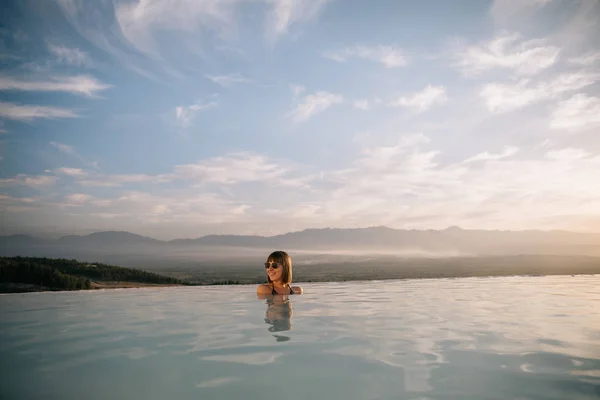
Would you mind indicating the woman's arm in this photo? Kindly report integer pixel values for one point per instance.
(263, 289)
(297, 289)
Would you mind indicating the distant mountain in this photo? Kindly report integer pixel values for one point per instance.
(107, 239)
(451, 241)
(85, 247)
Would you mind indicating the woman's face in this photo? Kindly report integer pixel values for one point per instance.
(274, 271)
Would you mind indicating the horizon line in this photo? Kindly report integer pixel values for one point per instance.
(452, 227)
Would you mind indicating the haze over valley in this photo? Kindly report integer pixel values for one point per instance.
(328, 254)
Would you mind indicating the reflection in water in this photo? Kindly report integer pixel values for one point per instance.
(279, 314)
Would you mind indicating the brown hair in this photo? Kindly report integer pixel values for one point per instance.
(285, 260)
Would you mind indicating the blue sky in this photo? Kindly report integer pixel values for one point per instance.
(179, 118)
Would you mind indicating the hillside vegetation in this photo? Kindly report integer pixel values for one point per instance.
(29, 274)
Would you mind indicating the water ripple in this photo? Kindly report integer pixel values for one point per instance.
(497, 338)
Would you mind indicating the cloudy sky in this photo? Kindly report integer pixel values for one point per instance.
(179, 118)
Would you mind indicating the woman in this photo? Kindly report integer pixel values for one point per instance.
(279, 275)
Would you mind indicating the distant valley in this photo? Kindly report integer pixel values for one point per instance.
(320, 252)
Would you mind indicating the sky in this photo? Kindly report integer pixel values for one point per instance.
(181, 118)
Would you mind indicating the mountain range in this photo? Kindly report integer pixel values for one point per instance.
(373, 240)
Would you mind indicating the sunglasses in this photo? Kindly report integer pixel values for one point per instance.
(273, 265)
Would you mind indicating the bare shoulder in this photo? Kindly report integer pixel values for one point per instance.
(265, 288)
(297, 289)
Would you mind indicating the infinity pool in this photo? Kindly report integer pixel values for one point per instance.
(473, 338)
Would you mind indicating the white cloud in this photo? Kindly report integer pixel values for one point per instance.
(182, 209)
(184, 115)
(567, 154)
(423, 100)
(504, 98)
(507, 51)
(118, 180)
(77, 199)
(366, 104)
(12, 200)
(486, 156)
(141, 21)
(406, 185)
(587, 59)
(70, 56)
(501, 98)
(569, 82)
(29, 180)
(231, 169)
(70, 150)
(28, 112)
(90, 19)
(314, 104)
(380, 157)
(80, 85)
(286, 13)
(102, 202)
(217, 382)
(41, 180)
(229, 80)
(389, 56)
(577, 113)
(65, 148)
(72, 172)
(362, 104)
(89, 178)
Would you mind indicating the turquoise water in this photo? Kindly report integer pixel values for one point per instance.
(473, 338)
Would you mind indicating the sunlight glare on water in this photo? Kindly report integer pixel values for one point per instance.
(472, 338)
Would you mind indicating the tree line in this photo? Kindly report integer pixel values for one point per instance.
(71, 274)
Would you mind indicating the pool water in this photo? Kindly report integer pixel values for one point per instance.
(472, 338)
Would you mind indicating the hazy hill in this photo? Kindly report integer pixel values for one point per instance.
(451, 240)
(106, 239)
(376, 240)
